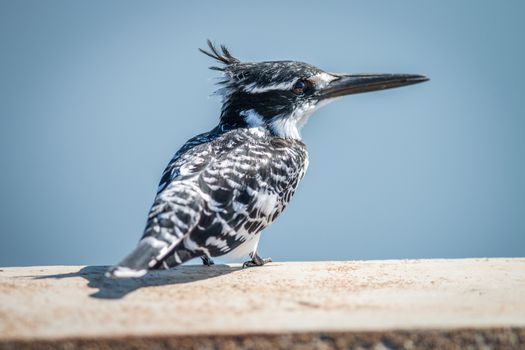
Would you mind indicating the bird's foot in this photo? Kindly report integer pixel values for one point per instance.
(256, 261)
(206, 260)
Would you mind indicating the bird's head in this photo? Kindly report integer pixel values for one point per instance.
(281, 95)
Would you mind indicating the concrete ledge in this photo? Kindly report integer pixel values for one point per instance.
(297, 305)
(499, 338)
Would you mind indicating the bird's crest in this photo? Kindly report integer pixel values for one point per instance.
(221, 54)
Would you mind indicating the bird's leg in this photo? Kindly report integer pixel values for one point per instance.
(206, 260)
(256, 261)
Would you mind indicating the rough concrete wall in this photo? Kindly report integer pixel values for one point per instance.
(325, 305)
(498, 338)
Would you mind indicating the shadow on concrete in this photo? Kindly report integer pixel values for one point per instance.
(112, 288)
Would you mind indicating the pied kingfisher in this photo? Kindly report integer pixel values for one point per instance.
(223, 187)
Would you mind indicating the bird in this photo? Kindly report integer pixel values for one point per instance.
(225, 186)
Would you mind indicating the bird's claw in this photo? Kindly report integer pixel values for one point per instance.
(256, 261)
(207, 261)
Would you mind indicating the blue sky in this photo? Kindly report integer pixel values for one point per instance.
(96, 97)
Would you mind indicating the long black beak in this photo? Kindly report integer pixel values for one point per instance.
(358, 83)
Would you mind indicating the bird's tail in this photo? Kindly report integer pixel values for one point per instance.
(144, 257)
(171, 217)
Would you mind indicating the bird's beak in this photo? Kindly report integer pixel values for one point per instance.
(357, 83)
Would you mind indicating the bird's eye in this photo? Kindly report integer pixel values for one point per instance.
(299, 87)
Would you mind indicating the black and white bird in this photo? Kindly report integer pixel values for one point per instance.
(223, 187)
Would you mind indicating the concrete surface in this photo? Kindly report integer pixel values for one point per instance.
(375, 304)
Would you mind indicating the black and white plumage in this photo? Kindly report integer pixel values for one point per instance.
(223, 187)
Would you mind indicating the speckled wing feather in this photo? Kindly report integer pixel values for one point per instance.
(246, 189)
(218, 192)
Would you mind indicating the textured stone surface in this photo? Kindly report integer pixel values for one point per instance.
(325, 305)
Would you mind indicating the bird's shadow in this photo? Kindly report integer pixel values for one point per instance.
(114, 288)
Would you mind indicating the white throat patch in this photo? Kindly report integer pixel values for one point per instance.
(290, 126)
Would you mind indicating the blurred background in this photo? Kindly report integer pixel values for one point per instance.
(96, 97)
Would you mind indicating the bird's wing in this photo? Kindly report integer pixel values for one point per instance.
(226, 184)
(247, 188)
(186, 155)
(178, 205)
